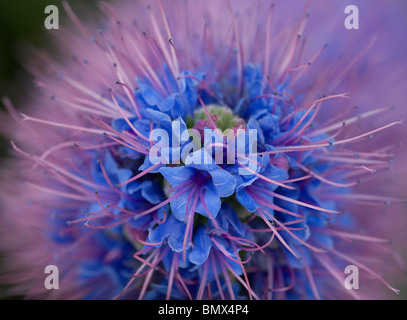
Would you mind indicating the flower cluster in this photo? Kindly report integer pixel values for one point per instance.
(124, 215)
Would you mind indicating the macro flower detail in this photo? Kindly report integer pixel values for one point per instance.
(191, 151)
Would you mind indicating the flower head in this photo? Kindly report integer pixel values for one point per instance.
(190, 151)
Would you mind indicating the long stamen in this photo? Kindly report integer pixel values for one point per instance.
(67, 195)
(203, 282)
(245, 285)
(61, 125)
(265, 178)
(172, 274)
(317, 176)
(215, 272)
(260, 211)
(297, 238)
(146, 262)
(208, 114)
(244, 272)
(362, 266)
(269, 204)
(227, 279)
(189, 216)
(168, 30)
(350, 236)
(239, 56)
(140, 175)
(138, 133)
(322, 145)
(335, 272)
(304, 204)
(290, 285)
(266, 69)
(202, 199)
(311, 279)
(60, 170)
(227, 254)
(133, 101)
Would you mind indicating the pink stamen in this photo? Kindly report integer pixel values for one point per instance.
(226, 277)
(239, 56)
(290, 285)
(332, 183)
(172, 273)
(140, 174)
(208, 114)
(61, 125)
(297, 238)
(189, 216)
(304, 204)
(133, 101)
(322, 145)
(202, 199)
(215, 272)
(261, 213)
(362, 266)
(138, 133)
(336, 273)
(245, 285)
(267, 42)
(203, 282)
(265, 178)
(268, 204)
(350, 236)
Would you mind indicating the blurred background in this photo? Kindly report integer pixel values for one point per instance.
(22, 21)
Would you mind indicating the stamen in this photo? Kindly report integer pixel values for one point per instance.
(322, 145)
(336, 273)
(138, 133)
(304, 204)
(171, 277)
(61, 125)
(362, 266)
(260, 211)
(132, 99)
(265, 178)
(203, 282)
(140, 174)
(215, 272)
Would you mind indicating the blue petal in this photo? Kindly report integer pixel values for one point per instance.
(254, 125)
(201, 160)
(202, 247)
(172, 230)
(179, 206)
(149, 190)
(246, 201)
(274, 173)
(162, 119)
(177, 176)
(223, 182)
(167, 104)
(233, 219)
(212, 201)
(150, 96)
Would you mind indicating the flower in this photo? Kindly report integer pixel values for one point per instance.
(178, 153)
